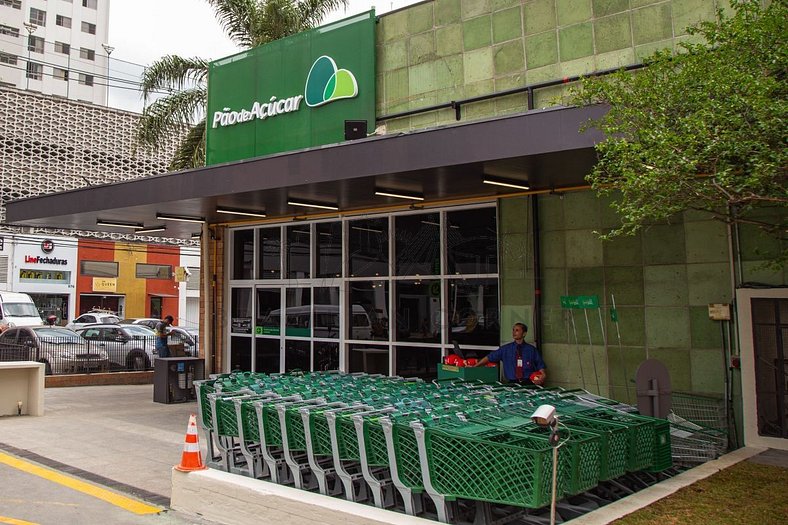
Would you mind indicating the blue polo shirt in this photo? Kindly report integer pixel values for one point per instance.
(507, 355)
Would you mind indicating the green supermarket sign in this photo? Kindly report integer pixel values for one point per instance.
(579, 301)
(293, 93)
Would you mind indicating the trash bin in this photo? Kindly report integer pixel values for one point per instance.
(173, 378)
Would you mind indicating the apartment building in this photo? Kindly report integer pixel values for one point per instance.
(56, 47)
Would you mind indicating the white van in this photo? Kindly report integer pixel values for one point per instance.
(18, 309)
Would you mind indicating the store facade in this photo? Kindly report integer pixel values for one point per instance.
(462, 209)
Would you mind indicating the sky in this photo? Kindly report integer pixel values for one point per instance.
(142, 31)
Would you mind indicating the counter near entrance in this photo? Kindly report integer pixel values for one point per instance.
(21, 382)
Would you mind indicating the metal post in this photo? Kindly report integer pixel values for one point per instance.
(109, 49)
(31, 28)
(555, 483)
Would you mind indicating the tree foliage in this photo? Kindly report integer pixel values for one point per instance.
(181, 114)
(700, 129)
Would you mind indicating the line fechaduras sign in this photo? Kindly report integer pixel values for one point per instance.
(293, 93)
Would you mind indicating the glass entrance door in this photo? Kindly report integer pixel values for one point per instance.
(268, 329)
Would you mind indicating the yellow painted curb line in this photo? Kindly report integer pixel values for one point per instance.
(112, 498)
(12, 521)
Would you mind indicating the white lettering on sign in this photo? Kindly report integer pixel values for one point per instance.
(272, 108)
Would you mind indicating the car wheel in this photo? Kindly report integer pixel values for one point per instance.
(137, 360)
(47, 367)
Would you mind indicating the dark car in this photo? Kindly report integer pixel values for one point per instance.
(60, 349)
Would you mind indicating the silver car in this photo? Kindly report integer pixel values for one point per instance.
(60, 349)
(92, 318)
(130, 347)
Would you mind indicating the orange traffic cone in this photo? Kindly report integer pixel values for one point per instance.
(191, 458)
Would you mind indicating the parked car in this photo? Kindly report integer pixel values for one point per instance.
(93, 317)
(188, 337)
(150, 322)
(131, 347)
(60, 349)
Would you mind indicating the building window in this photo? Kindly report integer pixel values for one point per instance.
(269, 257)
(193, 279)
(388, 294)
(87, 27)
(38, 17)
(88, 54)
(90, 4)
(60, 74)
(62, 47)
(368, 247)
(7, 58)
(8, 31)
(34, 71)
(62, 21)
(154, 271)
(98, 268)
(35, 44)
(85, 80)
(16, 4)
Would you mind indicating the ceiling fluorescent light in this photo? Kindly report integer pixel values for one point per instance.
(312, 205)
(519, 185)
(387, 193)
(180, 218)
(235, 211)
(152, 229)
(116, 224)
(362, 229)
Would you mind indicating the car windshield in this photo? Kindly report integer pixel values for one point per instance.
(137, 329)
(57, 335)
(109, 319)
(20, 310)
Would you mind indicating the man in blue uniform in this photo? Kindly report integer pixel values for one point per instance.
(521, 361)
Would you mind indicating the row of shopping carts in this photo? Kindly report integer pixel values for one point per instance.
(391, 440)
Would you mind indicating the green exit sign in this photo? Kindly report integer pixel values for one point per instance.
(579, 301)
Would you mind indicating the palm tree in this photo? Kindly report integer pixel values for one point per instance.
(181, 114)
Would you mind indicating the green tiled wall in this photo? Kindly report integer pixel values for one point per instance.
(443, 50)
(662, 281)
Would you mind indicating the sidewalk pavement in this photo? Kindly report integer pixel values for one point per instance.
(113, 435)
(118, 437)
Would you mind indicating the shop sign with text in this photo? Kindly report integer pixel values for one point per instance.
(293, 93)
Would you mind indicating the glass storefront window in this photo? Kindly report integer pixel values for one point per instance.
(418, 311)
(266, 354)
(326, 312)
(473, 312)
(326, 356)
(270, 253)
(372, 359)
(268, 319)
(243, 254)
(240, 354)
(368, 312)
(417, 362)
(417, 244)
(329, 249)
(297, 355)
(472, 241)
(298, 240)
(368, 250)
(298, 321)
(241, 311)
